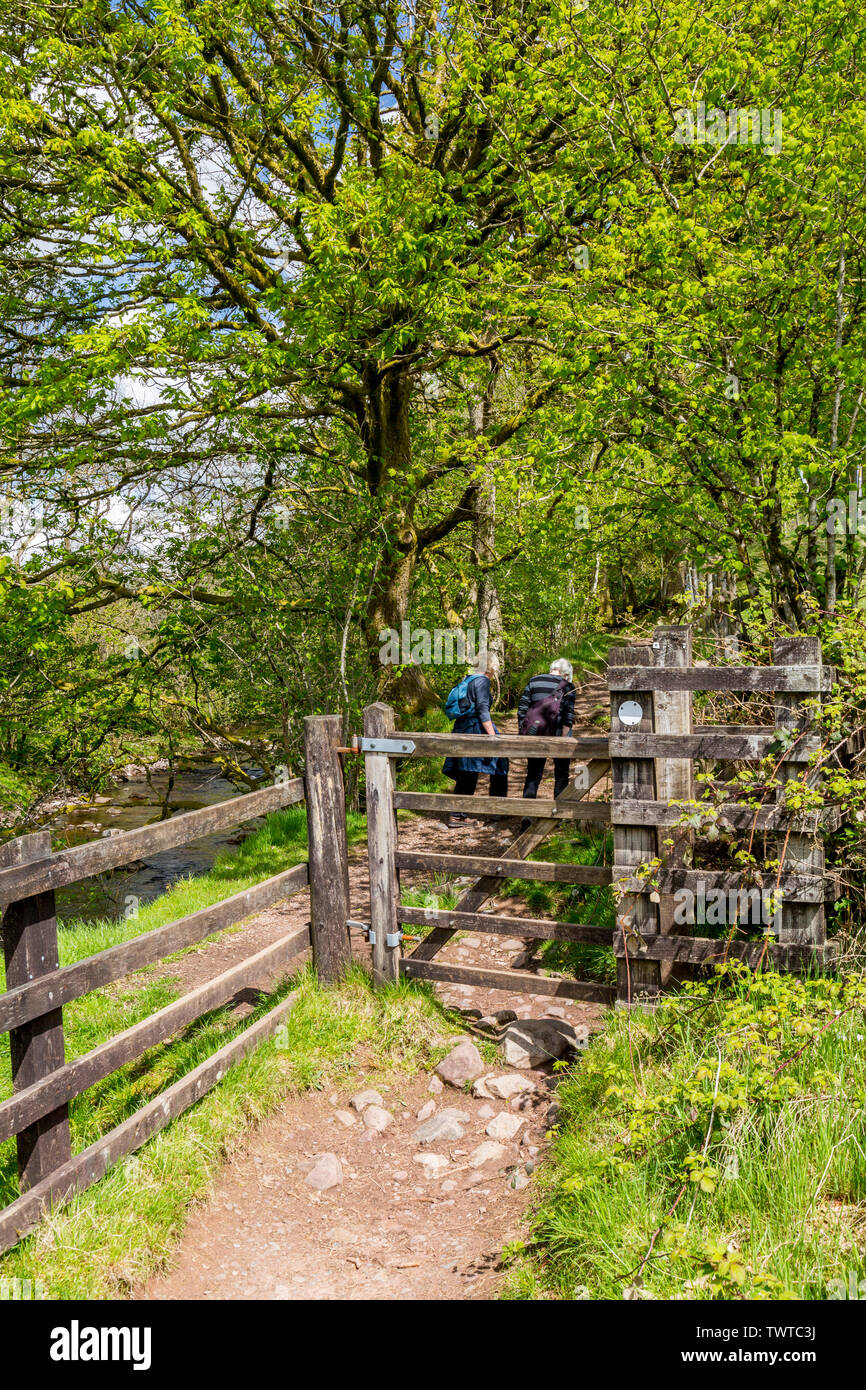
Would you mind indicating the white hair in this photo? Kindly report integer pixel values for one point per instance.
(486, 664)
(561, 667)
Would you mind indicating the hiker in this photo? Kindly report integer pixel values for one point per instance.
(468, 704)
(546, 708)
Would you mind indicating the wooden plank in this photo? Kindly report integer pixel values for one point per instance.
(29, 1001)
(436, 804)
(696, 950)
(68, 1081)
(672, 709)
(382, 846)
(806, 679)
(538, 928)
(112, 852)
(473, 897)
(795, 888)
(87, 1167)
(505, 745)
(718, 747)
(802, 921)
(513, 981)
(633, 778)
(503, 868)
(36, 1048)
(328, 847)
(734, 815)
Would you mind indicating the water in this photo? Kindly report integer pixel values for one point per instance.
(126, 807)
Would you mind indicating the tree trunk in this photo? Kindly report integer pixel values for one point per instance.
(387, 441)
(491, 637)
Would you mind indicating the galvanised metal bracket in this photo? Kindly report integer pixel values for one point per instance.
(392, 746)
(392, 938)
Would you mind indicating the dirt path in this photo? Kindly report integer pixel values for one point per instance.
(392, 1228)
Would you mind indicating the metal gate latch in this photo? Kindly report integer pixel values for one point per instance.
(384, 745)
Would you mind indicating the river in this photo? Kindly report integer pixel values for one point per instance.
(126, 807)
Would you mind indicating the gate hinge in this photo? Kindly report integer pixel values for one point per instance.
(392, 938)
(393, 746)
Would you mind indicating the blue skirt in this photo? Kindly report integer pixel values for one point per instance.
(493, 767)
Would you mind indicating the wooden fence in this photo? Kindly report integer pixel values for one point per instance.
(37, 986)
(650, 757)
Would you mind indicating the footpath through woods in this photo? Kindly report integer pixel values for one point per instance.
(408, 1193)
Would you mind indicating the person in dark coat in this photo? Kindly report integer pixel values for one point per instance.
(477, 720)
(537, 689)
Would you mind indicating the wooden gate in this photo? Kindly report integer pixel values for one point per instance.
(650, 758)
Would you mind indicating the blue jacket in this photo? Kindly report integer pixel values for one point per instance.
(471, 723)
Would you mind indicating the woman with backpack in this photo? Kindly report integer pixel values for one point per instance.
(468, 704)
(547, 708)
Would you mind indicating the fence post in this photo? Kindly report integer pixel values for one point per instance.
(633, 779)
(799, 923)
(30, 949)
(382, 847)
(672, 646)
(328, 847)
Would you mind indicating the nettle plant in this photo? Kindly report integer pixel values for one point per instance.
(830, 779)
(702, 1082)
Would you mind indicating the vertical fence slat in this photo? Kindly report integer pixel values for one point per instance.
(328, 847)
(634, 779)
(29, 931)
(800, 923)
(382, 846)
(672, 709)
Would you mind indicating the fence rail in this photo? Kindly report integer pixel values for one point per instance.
(650, 755)
(38, 987)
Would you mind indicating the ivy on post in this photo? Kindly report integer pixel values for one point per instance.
(328, 847)
(633, 779)
(799, 923)
(672, 709)
(36, 1048)
(382, 848)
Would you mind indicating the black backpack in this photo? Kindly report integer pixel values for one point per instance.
(543, 717)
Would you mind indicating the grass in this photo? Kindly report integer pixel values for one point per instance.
(565, 902)
(711, 1150)
(280, 843)
(118, 1233)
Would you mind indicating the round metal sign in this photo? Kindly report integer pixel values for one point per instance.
(630, 712)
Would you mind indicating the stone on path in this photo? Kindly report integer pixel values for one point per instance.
(377, 1118)
(485, 1153)
(436, 1086)
(505, 1126)
(360, 1101)
(506, 1087)
(433, 1164)
(427, 1109)
(498, 1019)
(327, 1171)
(449, 1125)
(485, 1111)
(534, 1041)
(518, 1180)
(345, 1117)
(463, 1063)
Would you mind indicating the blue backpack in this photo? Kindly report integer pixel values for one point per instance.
(456, 696)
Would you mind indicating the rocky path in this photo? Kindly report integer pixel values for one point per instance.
(410, 1192)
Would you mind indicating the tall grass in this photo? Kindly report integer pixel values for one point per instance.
(124, 1229)
(712, 1150)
